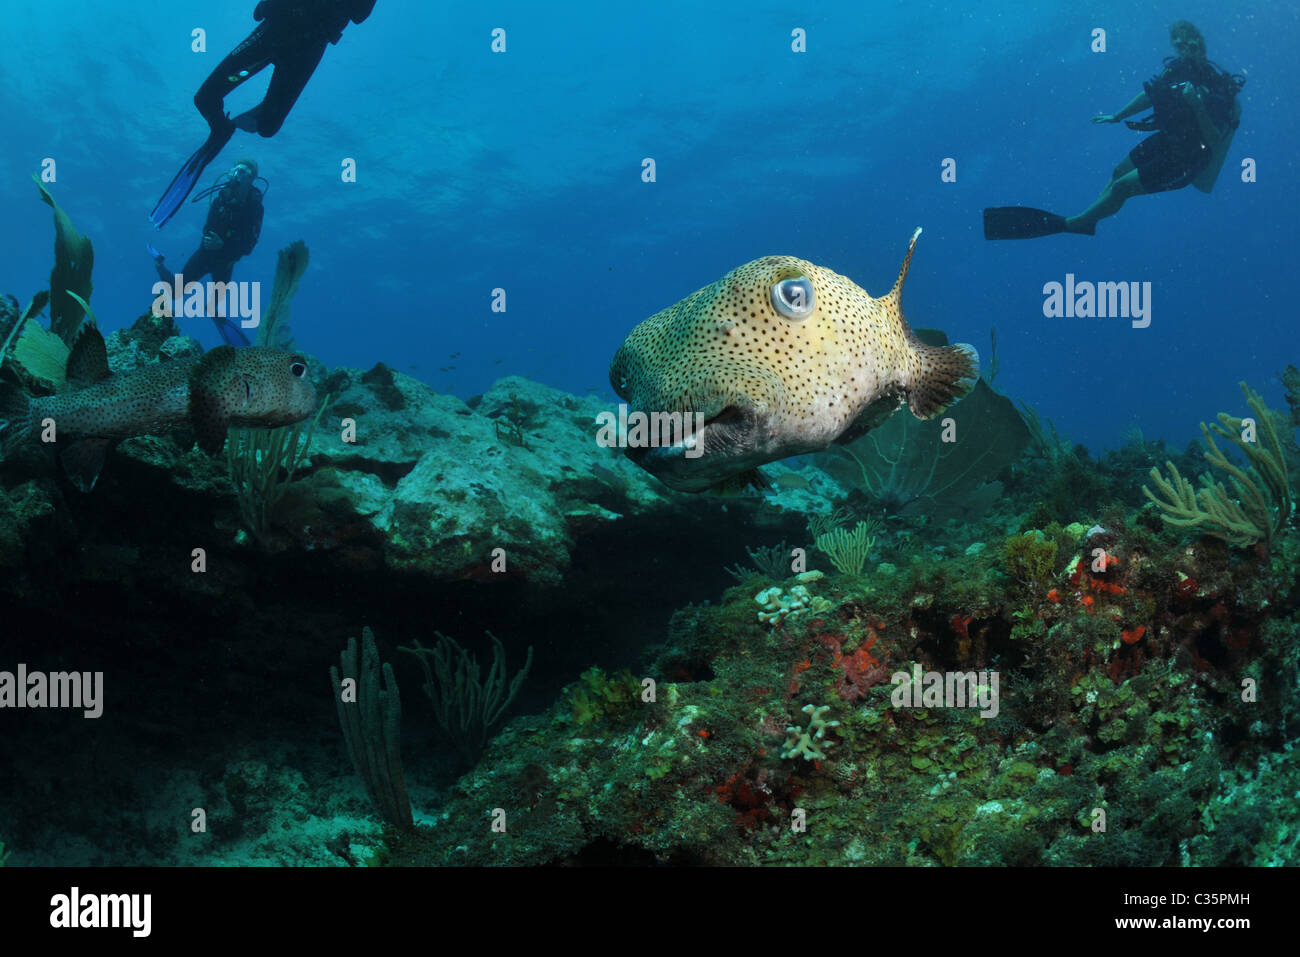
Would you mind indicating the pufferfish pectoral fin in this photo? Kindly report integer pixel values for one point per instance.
(210, 432)
(83, 460)
(753, 480)
(872, 416)
(208, 413)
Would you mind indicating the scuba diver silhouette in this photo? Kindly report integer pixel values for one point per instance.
(1196, 114)
(292, 36)
(230, 232)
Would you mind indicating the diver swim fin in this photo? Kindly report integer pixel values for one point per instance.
(1023, 222)
(230, 333)
(184, 181)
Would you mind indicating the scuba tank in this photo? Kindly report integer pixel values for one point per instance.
(224, 180)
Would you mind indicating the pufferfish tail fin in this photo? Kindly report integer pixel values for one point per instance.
(15, 419)
(940, 376)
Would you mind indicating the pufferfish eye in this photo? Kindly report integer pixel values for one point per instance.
(793, 298)
(297, 368)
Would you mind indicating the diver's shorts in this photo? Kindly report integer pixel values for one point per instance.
(1168, 162)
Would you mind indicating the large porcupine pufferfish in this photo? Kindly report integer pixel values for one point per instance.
(779, 357)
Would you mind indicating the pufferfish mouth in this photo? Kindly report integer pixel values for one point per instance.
(728, 433)
(731, 413)
(728, 430)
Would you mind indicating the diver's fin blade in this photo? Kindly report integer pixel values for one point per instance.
(1021, 222)
(230, 333)
(83, 460)
(184, 181)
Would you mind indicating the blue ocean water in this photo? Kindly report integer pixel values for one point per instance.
(521, 171)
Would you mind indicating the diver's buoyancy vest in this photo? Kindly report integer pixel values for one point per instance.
(1218, 89)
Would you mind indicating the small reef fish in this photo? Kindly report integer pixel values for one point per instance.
(253, 387)
(777, 358)
(789, 480)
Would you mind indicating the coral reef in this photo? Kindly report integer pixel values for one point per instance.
(800, 742)
(1264, 499)
(1121, 704)
(771, 562)
(848, 551)
(1144, 684)
(466, 704)
(777, 602)
(1006, 662)
(371, 717)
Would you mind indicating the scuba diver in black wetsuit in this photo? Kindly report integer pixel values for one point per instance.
(1196, 115)
(230, 232)
(292, 35)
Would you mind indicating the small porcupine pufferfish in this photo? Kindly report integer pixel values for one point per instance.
(252, 387)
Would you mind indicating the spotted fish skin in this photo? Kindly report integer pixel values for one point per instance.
(149, 401)
(254, 387)
(772, 381)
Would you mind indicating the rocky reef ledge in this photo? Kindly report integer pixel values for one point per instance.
(397, 478)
